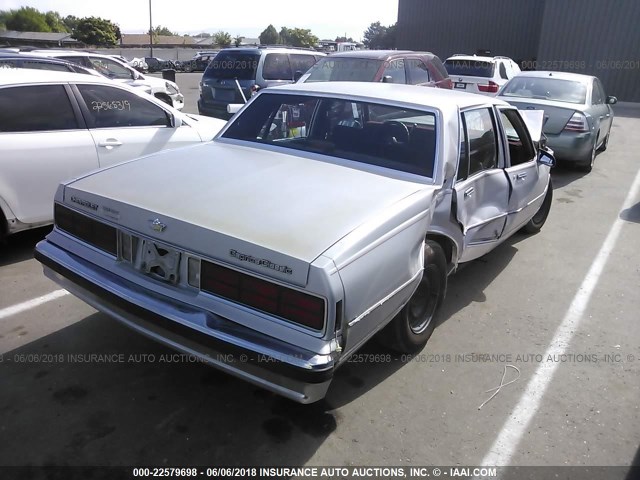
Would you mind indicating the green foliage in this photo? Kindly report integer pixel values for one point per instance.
(26, 19)
(285, 36)
(237, 40)
(160, 30)
(302, 37)
(269, 36)
(96, 31)
(344, 39)
(378, 37)
(222, 39)
(71, 22)
(55, 22)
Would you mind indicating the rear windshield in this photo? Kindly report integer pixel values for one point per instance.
(469, 68)
(344, 70)
(232, 65)
(383, 135)
(546, 89)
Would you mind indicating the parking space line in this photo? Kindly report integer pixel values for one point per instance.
(512, 431)
(29, 304)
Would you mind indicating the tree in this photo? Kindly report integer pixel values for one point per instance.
(378, 36)
(222, 39)
(26, 19)
(269, 36)
(71, 22)
(285, 36)
(302, 37)
(344, 39)
(237, 40)
(55, 22)
(96, 31)
(160, 30)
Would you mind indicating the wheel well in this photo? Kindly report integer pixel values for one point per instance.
(448, 246)
(4, 228)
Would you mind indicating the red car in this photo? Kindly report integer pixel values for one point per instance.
(392, 66)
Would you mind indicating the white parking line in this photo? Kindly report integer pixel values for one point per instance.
(29, 304)
(512, 431)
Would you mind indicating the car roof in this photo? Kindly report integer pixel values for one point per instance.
(378, 54)
(577, 77)
(270, 49)
(27, 75)
(443, 99)
(477, 58)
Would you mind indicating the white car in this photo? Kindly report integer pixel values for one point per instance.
(321, 214)
(165, 90)
(56, 125)
(478, 74)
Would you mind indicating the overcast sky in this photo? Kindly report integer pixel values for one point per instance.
(325, 18)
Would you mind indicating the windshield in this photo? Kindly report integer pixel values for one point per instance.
(344, 70)
(469, 68)
(546, 89)
(374, 134)
(232, 65)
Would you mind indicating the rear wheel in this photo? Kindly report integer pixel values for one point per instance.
(605, 143)
(409, 331)
(537, 221)
(586, 165)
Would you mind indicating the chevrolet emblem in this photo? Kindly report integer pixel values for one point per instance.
(158, 226)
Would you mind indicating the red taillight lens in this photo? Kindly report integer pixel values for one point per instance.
(268, 297)
(491, 87)
(577, 123)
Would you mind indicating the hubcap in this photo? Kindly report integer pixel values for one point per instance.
(424, 301)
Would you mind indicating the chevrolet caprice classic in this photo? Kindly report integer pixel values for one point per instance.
(321, 215)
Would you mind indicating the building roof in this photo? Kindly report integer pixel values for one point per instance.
(37, 36)
(143, 39)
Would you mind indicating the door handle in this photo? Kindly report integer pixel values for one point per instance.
(521, 176)
(469, 192)
(110, 143)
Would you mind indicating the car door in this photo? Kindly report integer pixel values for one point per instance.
(125, 126)
(528, 178)
(481, 190)
(601, 109)
(43, 141)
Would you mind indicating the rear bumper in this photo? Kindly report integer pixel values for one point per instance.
(294, 373)
(217, 111)
(571, 146)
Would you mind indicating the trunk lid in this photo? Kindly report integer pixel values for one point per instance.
(555, 116)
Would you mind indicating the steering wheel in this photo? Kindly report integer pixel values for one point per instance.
(395, 132)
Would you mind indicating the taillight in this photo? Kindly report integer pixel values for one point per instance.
(577, 123)
(96, 233)
(298, 307)
(491, 87)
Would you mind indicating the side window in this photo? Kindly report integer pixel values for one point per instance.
(34, 64)
(277, 67)
(395, 69)
(301, 62)
(78, 60)
(503, 71)
(290, 121)
(463, 158)
(418, 71)
(109, 68)
(598, 95)
(114, 107)
(481, 135)
(36, 108)
(520, 146)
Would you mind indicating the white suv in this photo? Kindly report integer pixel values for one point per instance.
(476, 74)
(114, 69)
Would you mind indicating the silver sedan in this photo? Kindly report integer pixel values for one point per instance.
(578, 114)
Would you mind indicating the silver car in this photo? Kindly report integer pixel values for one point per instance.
(321, 215)
(578, 114)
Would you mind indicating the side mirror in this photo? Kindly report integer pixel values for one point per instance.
(612, 100)
(545, 157)
(176, 122)
(387, 79)
(233, 108)
(297, 75)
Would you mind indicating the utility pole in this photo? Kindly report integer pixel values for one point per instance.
(150, 32)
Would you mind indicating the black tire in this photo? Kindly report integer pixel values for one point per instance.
(187, 67)
(586, 165)
(605, 143)
(537, 221)
(409, 331)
